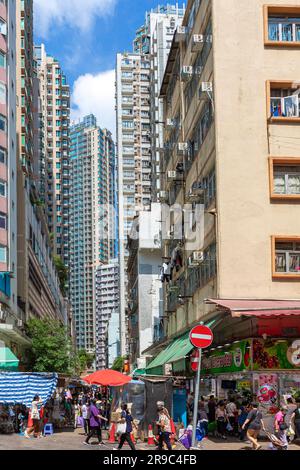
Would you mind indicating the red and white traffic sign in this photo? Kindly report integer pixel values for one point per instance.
(201, 337)
(195, 357)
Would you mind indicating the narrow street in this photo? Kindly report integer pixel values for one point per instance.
(73, 440)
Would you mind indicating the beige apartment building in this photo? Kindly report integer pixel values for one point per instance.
(231, 144)
(55, 110)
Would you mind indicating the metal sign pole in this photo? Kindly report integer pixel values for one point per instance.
(196, 401)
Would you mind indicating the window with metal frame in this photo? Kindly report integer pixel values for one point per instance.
(287, 257)
(286, 179)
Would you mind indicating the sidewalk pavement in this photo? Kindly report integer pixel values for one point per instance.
(73, 440)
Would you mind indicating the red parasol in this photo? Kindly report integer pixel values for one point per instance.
(108, 377)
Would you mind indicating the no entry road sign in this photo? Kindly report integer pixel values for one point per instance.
(195, 357)
(201, 337)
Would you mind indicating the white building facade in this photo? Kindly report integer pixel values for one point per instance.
(107, 312)
(140, 127)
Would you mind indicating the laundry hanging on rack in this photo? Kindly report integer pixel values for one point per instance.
(165, 272)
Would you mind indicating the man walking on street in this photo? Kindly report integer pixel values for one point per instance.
(95, 424)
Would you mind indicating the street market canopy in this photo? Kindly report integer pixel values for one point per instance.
(258, 308)
(108, 377)
(8, 361)
(21, 387)
(177, 350)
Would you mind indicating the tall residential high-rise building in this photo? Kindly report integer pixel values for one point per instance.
(134, 155)
(139, 126)
(233, 151)
(93, 228)
(8, 175)
(29, 282)
(154, 39)
(107, 307)
(145, 292)
(54, 164)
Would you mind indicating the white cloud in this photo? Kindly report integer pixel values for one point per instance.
(80, 14)
(95, 94)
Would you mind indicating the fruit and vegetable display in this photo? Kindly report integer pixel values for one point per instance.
(275, 354)
(263, 357)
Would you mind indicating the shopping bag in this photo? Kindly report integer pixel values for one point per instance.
(212, 427)
(199, 435)
(229, 428)
(121, 428)
(80, 422)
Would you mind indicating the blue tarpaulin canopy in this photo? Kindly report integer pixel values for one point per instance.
(21, 387)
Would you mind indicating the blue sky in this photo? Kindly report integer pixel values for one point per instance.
(85, 35)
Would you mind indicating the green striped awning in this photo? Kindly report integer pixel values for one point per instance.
(176, 351)
(8, 361)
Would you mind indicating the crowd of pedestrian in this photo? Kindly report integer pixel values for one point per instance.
(63, 410)
(243, 419)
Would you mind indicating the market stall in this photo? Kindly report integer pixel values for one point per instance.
(266, 369)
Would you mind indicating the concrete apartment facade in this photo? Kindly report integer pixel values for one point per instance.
(107, 310)
(231, 146)
(134, 156)
(139, 125)
(39, 292)
(55, 99)
(145, 293)
(92, 238)
(30, 282)
(10, 333)
(155, 38)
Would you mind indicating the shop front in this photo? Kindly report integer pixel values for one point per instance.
(265, 370)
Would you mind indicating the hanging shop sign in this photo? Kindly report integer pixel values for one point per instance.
(276, 354)
(234, 358)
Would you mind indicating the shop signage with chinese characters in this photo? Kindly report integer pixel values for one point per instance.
(234, 358)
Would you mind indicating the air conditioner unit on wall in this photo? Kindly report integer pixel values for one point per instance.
(205, 89)
(163, 195)
(170, 124)
(172, 175)
(180, 34)
(186, 72)
(198, 257)
(182, 148)
(197, 42)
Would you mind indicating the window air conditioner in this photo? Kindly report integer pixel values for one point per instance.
(205, 88)
(170, 124)
(186, 72)
(197, 42)
(196, 259)
(172, 175)
(163, 195)
(182, 148)
(180, 34)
